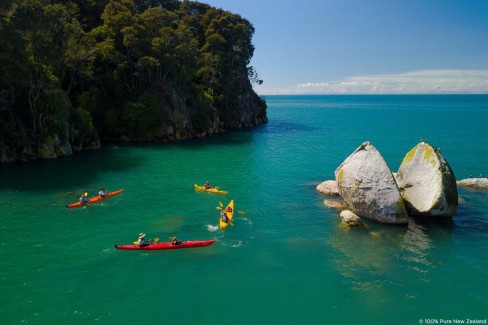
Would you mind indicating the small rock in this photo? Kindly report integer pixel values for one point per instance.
(336, 204)
(328, 188)
(474, 182)
(351, 219)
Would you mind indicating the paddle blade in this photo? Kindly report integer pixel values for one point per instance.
(231, 224)
(241, 212)
(136, 243)
(220, 203)
(155, 240)
(219, 208)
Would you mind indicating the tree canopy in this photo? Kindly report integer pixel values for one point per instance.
(106, 68)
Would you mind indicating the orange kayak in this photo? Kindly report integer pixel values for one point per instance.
(94, 199)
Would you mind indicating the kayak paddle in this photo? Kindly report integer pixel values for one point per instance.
(155, 240)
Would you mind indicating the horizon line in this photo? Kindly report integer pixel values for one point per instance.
(442, 82)
(377, 94)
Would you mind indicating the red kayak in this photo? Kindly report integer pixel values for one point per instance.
(95, 199)
(160, 246)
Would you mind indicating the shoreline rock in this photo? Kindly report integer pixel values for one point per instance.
(336, 204)
(328, 188)
(351, 219)
(474, 182)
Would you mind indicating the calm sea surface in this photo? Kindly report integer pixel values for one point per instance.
(287, 260)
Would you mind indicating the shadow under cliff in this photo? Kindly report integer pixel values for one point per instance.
(66, 172)
(83, 167)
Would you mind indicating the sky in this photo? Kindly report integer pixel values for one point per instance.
(367, 46)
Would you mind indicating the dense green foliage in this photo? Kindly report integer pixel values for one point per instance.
(117, 68)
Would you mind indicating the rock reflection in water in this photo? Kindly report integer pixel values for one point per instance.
(384, 261)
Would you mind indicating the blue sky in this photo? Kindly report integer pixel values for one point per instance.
(367, 46)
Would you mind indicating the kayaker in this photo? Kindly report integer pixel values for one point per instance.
(207, 185)
(84, 198)
(141, 240)
(175, 241)
(224, 217)
(102, 192)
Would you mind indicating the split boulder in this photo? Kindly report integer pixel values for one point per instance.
(427, 183)
(368, 187)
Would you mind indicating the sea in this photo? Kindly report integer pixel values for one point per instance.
(287, 259)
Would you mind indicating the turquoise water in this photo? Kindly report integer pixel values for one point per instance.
(287, 260)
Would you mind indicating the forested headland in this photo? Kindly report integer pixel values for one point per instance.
(75, 73)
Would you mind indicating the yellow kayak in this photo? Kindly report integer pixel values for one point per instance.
(229, 210)
(211, 190)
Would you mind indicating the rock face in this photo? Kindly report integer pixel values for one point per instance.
(52, 147)
(182, 121)
(351, 219)
(181, 118)
(367, 186)
(427, 183)
(474, 182)
(328, 188)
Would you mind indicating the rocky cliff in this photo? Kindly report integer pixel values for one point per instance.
(180, 119)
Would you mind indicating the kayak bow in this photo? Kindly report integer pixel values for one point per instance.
(211, 190)
(95, 199)
(161, 246)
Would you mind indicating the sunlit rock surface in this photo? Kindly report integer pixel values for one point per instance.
(328, 188)
(427, 182)
(368, 187)
(474, 182)
(351, 219)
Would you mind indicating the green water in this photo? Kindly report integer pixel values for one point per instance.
(287, 260)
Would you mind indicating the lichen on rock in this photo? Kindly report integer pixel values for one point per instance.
(368, 187)
(427, 182)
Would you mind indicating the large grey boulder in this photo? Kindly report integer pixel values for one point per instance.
(427, 183)
(367, 186)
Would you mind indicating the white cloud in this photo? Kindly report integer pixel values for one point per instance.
(413, 82)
